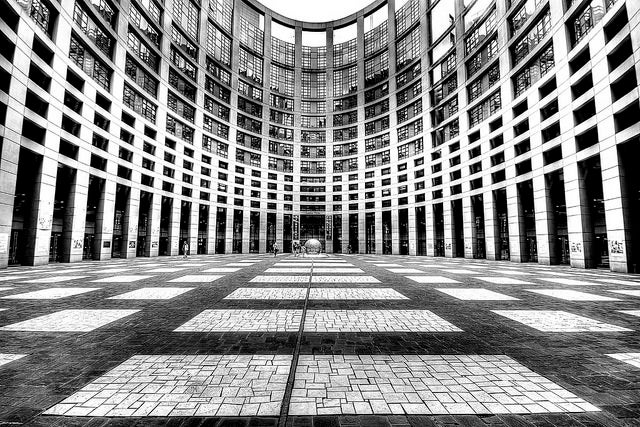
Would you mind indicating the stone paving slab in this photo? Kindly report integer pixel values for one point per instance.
(70, 321)
(184, 386)
(425, 384)
(244, 321)
(376, 321)
(51, 293)
(558, 321)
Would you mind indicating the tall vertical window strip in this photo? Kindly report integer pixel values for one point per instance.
(534, 71)
(376, 69)
(187, 14)
(251, 36)
(282, 80)
(376, 39)
(221, 11)
(184, 44)
(141, 77)
(532, 38)
(218, 44)
(94, 32)
(139, 103)
(153, 9)
(314, 57)
(406, 16)
(345, 53)
(283, 52)
(345, 81)
(523, 14)
(314, 85)
(587, 18)
(141, 50)
(143, 25)
(479, 33)
(40, 12)
(250, 66)
(408, 48)
(91, 65)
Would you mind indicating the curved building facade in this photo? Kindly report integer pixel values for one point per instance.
(503, 129)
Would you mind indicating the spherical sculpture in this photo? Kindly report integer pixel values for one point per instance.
(313, 246)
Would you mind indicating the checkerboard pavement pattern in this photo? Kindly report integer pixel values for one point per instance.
(339, 340)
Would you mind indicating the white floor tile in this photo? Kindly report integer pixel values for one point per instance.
(51, 293)
(571, 295)
(504, 281)
(244, 321)
(153, 293)
(70, 321)
(431, 279)
(121, 279)
(196, 278)
(55, 279)
(630, 358)
(558, 321)
(376, 321)
(476, 294)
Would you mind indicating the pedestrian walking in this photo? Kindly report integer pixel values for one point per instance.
(275, 249)
(185, 249)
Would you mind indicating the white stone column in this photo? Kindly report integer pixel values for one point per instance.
(211, 230)
(491, 227)
(152, 246)
(468, 227)
(130, 224)
(516, 223)
(75, 216)
(174, 228)
(449, 234)
(103, 239)
(578, 217)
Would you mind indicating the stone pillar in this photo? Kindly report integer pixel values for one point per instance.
(211, 229)
(515, 216)
(430, 231)
(174, 228)
(153, 226)
(362, 233)
(262, 233)
(490, 225)
(413, 234)
(246, 227)
(280, 231)
(37, 235)
(194, 218)
(395, 232)
(578, 217)
(468, 227)
(75, 216)
(545, 228)
(449, 235)
(130, 224)
(378, 232)
(104, 221)
(618, 217)
(228, 244)
(328, 233)
(345, 234)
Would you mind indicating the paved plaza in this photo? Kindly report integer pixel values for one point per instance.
(341, 340)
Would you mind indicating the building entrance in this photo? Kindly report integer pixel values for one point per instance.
(312, 227)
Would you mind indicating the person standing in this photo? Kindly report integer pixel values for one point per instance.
(275, 249)
(185, 249)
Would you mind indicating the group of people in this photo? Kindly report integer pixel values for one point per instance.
(299, 249)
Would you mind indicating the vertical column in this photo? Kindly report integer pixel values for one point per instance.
(246, 228)
(430, 231)
(578, 217)
(75, 216)
(468, 227)
(413, 235)
(153, 226)
(104, 221)
(194, 218)
(345, 234)
(262, 233)
(130, 224)
(379, 226)
(618, 217)
(516, 223)
(174, 228)
(38, 234)
(211, 229)
(328, 232)
(228, 244)
(490, 225)
(279, 231)
(545, 229)
(362, 233)
(395, 232)
(449, 226)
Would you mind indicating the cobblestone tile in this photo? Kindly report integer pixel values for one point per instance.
(571, 295)
(55, 279)
(8, 357)
(153, 293)
(558, 321)
(630, 358)
(70, 321)
(354, 294)
(344, 279)
(280, 279)
(376, 321)
(475, 294)
(121, 279)
(244, 321)
(196, 278)
(425, 384)
(268, 293)
(432, 279)
(51, 293)
(503, 281)
(184, 385)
